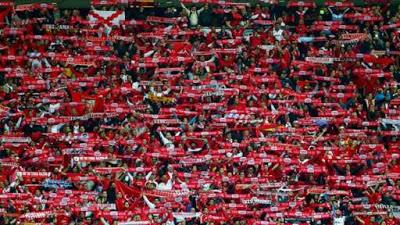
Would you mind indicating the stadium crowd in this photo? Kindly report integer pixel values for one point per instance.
(210, 113)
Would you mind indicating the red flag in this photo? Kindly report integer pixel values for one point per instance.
(127, 191)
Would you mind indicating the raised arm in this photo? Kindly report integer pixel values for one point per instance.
(148, 203)
(200, 10)
(330, 10)
(184, 8)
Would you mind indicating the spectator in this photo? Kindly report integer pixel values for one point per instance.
(230, 114)
(193, 14)
(206, 16)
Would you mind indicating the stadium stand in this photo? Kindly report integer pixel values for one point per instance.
(205, 112)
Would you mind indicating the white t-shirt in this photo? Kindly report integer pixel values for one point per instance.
(278, 34)
(339, 220)
(194, 18)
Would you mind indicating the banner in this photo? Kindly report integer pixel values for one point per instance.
(322, 60)
(127, 191)
(48, 183)
(106, 17)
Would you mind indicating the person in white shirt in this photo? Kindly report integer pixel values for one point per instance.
(339, 220)
(337, 16)
(193, 14)
(166, 141)
(76, 127)
(278, 33)
(165, 184)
